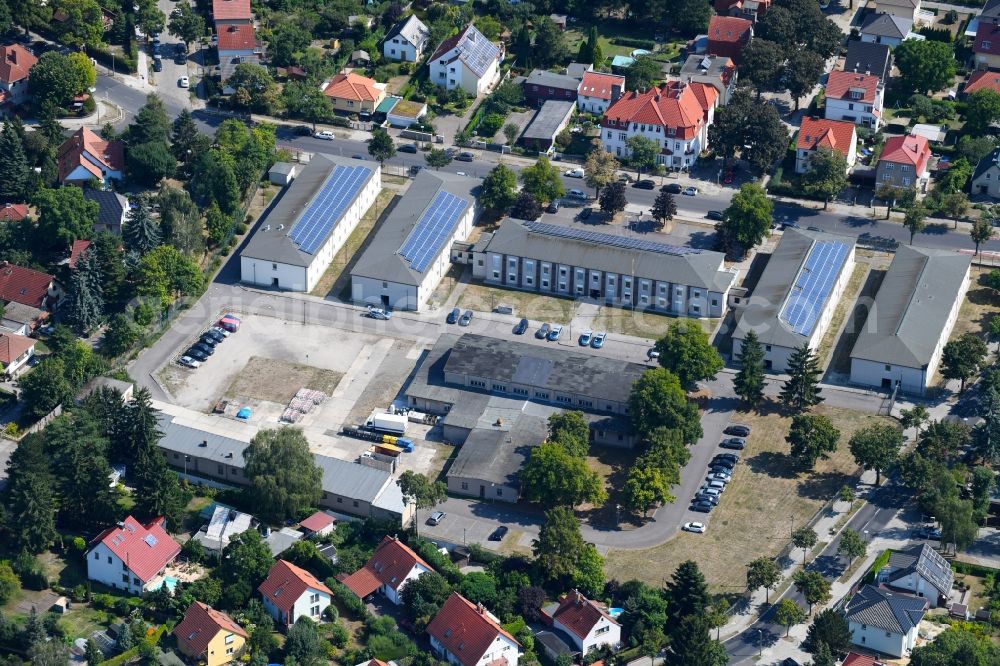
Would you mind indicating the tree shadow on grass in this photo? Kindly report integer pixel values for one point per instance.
(607, 515)
(824, 485)
(772, 463)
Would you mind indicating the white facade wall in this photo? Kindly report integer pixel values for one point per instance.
(855, 111)
(605, 632)
(106, 567)
(15, 365)
(395, 596)
(398, 48)
(988, 183)
(455, 74)
(500, 647)
(17, 91)
(891, 42)
(310, 603)
(874, 638)
(264, 273)
(594, 105)
(803, 157)
(918, 586)
(685, 151)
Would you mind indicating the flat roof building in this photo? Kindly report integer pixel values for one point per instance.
(796, 295)
(914, 313)
(616, 269)
(410, 253)
(549, 121)
(299, 236)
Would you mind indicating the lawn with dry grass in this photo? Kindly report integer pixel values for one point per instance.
(640, 324)
(844, 306)
(278, 381)
(481, 298)
(764, 502)
(981, 304)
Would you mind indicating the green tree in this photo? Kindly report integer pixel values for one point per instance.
(83, 24)
(828, 628)
(958, 523)
(437, 158)
(510, 132)
(45, 387)
(15, 186)
(686, 351)
(423, 597)
(974, 148)
(658, 400)
(600, 169)
(186, 141)
(49, 653)
(186, 24)
(31, 500)
(149, 18)
(422, 491)
(288, 40)
(120, 336)
(526, 207)
(813, 586)
(642, 152)
(218, 225)
(664, 207)
(151, 124)
(802, 70)
(498, 190)
(942, 440)
(282, 477)
(55, 79)
(876, 446)
(253, 87)
(213, 178)
(747, 220)
(84, 305)
(559, 544)
(613, 199)
(851, 545)
(749, 381)
(245, 559)
(148, 163)
(141, 233)
(157, 491)
(9, 582)
(307, 102)
(805, 538)
(164, 274)
(692, 643)
(542, 180)
(523, 52)
(915, 220)
(180, 221)
(303, 643)
(956, 645)
(686, 593)
(981, 232)
(687, 18)
(812, 437)
(571, 431)
(588, 576)
(381, 146)
(763, 66)
(554, 477)
(983, 482)
(645, 488)
(64, 216)
(827, 174)
(643, 73)
(801, 390)
(915, 417)
(926, 65)
(763, 572)
(93, 654)
(550, 42)
(962, 358)
(753, 131)
(789, 613)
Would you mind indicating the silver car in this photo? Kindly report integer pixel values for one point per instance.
(436, 518)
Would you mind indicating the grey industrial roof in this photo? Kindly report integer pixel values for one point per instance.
(350, 479)
(112, 206)
(103, 382)
(702, 269)
(865, 57)
(497, 454)
(924, 561)
(549, 120)
(912, 306)
(274, 244)
(890, 611)
(542, 77)
(887, 25)
(412, 30)
(775, 285)
(705, 65)
(381, 259)
(543, 366)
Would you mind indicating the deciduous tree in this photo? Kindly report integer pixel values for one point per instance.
(827, 174)
(555, 478)
(658, 400)
(802, 70)
(600, 169)
(307, 102)
(381, 146)
(498, 191)
(186, 24)
(282, 477)
(813, 586)
(526, 207)
(805, 538)
(956, 646)
(981, 231)
(437, 158)
(559, 544)
(788, 614)
(686, 351)
(747, 220)
(876, 447)
(642, 152)
(613, 199)
(828, 628)
(926, 65)
(851, 545)
(751, 130)
(763, 572)
(664, 207)
(543, 180)
(962, 358)
(915, 220)
(422, 491)
(64, 216)
(812, 436)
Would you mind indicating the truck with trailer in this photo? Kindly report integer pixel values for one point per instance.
(392, 424)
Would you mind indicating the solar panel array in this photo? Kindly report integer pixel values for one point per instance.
(477, 51)
(432, 230)
(323, 213)
(813, 284)
(625, 242)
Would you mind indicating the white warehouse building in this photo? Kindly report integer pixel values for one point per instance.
(795, 298)
(410, 253)
(296, 241)
(914, 313)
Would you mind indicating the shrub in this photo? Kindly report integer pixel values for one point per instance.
(79, 593)
(491, 124)
(339, 636)
(352, 604)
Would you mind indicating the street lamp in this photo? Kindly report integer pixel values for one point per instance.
(760, 642)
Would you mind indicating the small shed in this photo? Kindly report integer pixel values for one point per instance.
(282, 173)
(361, 58)
(318, 524)
(405, 113)
(60, 605)
(329, 551)
(125, 388)
(559, 20)
(548, 122)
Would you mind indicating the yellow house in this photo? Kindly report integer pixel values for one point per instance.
(354, 93)
(209, 636)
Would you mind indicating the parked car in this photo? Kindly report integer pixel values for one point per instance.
(733, 443)
(465, 157)
(733, 457)
(715, 483)
(196, 354)
(466, 318)
(722, 463)
(436, 518)
(705, 497)
(585, 337)
(702, 507)
(719, 476)
(555, 332)
(208, 340)
(157, 64)
(575, 173)
(708, 490)
(521, 327)
(326, 135)
(203, 348)
(357, 157)
(577, 194)
(180, 58)
(453, 316)
(644, 184)
(651, 353)
(553, 207)
(690, 191)
(184, 82)
(598, 340)
(379, 313)
(499, 533)
(543, 332)
(407, 148)
(221, 331)
(698, 528)
(673, 188)
(216, 335)
(714, 214)
(188, 362)
(931, 533)
(738, 429)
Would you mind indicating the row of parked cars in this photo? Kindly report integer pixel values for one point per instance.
(201, 350)
(720, 473)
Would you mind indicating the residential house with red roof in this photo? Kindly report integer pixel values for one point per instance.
(15, 62)
(817, 133)
(390, 568)
(209, 636)
(237, 40)
(748, 9)
(982, 79)
(353, 93)
(231, 11)
(857, 659)
(986, 46)
(855, 98)
(597, 91)
(676, 116)
(15, 352)
(28, 287)
(132, 556)
(290, 592)
(466, 634)
(904, 162)
(587, 623)
(728, 36)
(13, 212)
(85, 156)
(467, 60)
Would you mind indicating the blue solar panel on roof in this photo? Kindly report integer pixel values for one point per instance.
(323, 213)
(431, 231)
(477, 51)
(609, 239)
(813, 284)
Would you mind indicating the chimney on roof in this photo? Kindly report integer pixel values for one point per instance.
(12, 55)
(481, 608)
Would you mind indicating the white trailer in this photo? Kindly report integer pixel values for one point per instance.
(394, 424)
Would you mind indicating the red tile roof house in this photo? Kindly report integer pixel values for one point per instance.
(748, 9)
(856, 659)
(982, 80)
(831, 134)
(15, 61)
(586, 623)
(904, 162)
(597, 91)
(231, 11)
(290, 593)
(854, 98)
(728, 36)
(676, 115)
(390, 568)
(236, 39)
(200, 626)
(131, 556)
(318, 524)
(15, 352)
(85, 156)
(28, 287)
(12, 212)
(466, 634)
(986, 46)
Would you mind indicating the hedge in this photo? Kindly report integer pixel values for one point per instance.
(973, 569)
(877, 565)
(133, 652)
